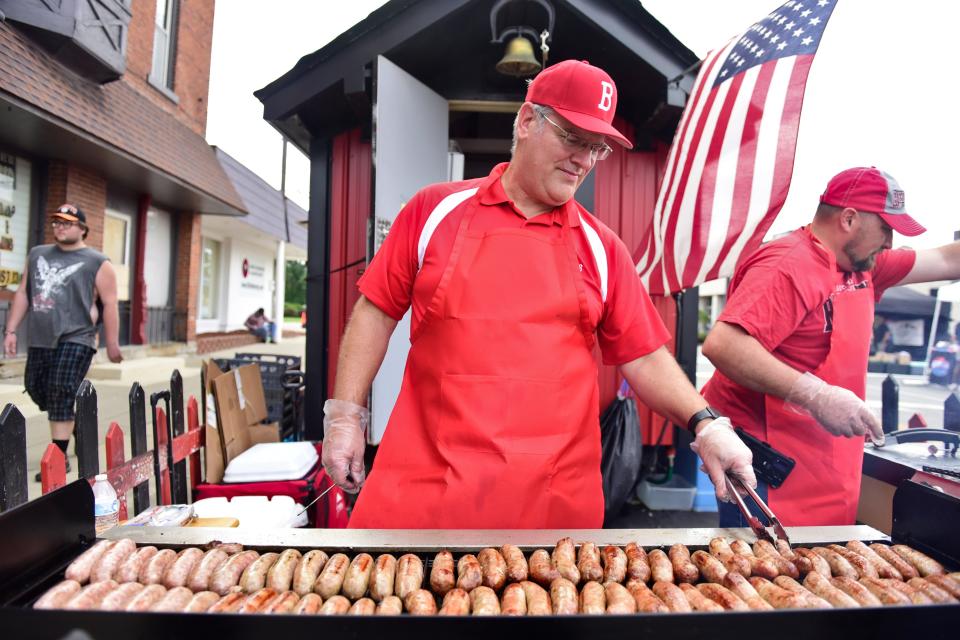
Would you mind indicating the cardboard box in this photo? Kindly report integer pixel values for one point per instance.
(235, 423)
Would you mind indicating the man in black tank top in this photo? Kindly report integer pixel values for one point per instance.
(62, 285)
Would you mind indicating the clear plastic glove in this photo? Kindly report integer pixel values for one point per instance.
(344, 429)
(722, 451)
(838, 410)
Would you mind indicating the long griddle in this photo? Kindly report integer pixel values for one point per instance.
(42, 537)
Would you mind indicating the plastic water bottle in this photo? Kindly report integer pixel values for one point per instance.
(106, 504)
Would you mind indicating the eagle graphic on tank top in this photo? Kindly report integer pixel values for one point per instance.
(49, 280)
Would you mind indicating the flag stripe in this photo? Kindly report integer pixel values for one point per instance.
(679, 197)
(743, 178)
(681, 214)
(678, 149)
(731, 162)
(769, 156)
(714, 179)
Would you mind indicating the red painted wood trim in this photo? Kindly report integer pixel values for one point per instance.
(114, 445)
(162, 444)
(53, 469)
(186, 445)
(193, 426)
(138, 304)
(131, 473)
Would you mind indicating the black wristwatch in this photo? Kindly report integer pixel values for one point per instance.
(704, 414)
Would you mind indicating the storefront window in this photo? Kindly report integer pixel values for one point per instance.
(209, 279)
(116, 246)
(14, 218)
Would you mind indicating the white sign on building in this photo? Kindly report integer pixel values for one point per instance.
(254, 275)
(14, 219)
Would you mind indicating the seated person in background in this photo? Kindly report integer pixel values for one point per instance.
(259, 325)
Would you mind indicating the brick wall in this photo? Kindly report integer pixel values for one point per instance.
(209, 342)
(192, 67)
(187, 281)
(82, 187)
(192, 73)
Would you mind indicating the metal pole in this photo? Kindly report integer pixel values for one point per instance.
(890, 404)
(933, 335)
(318, 282)
(283, 189)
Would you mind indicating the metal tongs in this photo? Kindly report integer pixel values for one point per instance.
(734, 486)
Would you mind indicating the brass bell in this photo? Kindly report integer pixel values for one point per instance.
(519, 60)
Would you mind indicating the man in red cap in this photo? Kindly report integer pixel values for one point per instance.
(64, 288)
(511, 283)
(792, 343)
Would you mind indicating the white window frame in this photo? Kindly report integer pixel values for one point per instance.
(218, 292)
(164, 33)
(205, 325)
(110, 213)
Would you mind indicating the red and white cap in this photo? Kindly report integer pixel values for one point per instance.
(583, 94)
(874, 191)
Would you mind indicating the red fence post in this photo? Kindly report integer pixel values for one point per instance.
(53, 469)
(162, 443)
(193, 424)
(114, 442)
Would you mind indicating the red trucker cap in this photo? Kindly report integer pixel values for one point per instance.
(583, 94)
(874, 191)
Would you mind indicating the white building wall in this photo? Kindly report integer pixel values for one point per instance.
(279, 293)
(250, 282)
(241, 293)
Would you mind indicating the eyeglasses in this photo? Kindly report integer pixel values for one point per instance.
(598, 150)
(62, 223)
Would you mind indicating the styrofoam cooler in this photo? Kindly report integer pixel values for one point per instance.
(254, 512)
(329, 512)
(271, 461)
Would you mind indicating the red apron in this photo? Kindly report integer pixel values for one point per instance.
(497, 421)
(824, 487)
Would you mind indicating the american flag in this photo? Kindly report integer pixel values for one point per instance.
(730, 165)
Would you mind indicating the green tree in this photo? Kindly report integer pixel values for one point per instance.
(296, 287)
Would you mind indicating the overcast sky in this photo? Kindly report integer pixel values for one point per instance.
(880, 90)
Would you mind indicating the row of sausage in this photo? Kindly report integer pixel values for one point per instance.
(226, 568)
(525, 598)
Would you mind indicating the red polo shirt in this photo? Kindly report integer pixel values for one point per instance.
(779, 296)
(406, 270)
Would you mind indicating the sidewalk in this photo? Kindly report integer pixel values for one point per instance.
(112, 382)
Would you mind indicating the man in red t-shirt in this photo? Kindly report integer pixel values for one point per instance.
(510, 284)
(792, 343)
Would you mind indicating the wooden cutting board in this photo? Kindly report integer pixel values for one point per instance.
(213, 522)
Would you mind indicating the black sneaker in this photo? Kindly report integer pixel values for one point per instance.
(36, 478)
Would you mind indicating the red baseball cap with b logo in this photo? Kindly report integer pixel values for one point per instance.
(874, 191)
(583, 94)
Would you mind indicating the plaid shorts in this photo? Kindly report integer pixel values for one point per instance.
(52, 377)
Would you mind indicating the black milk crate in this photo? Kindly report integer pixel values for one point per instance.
(282, 389)
(291, 362)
